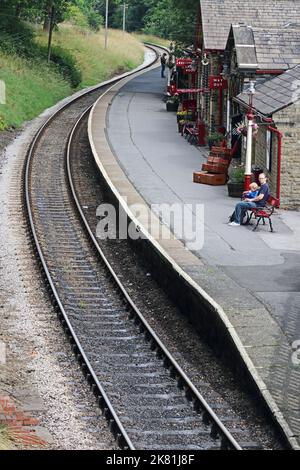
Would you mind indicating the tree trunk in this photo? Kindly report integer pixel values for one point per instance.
(51, 26)
(18, 10)
(48, 11)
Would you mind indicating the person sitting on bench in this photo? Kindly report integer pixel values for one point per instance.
(259, 201)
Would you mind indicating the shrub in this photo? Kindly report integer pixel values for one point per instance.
(95, 20)
(66, 65)
(16, 37)
(76, 17)
(237, 174)
(3, 124)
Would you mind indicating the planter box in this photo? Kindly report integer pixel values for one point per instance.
(209, 178)
(235, 189)
(172, 106)
(214, 168)
(221, 151)
(217, 161)
(180, 128)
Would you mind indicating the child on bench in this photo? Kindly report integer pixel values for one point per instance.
(252, 193)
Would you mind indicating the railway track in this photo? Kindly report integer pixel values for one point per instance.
(147, 399)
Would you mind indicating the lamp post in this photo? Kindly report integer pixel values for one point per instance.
(250, 117)
(124, 16)
(171, 59)
(106, 25)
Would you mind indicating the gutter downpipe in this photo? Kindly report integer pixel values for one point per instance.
(279, 156)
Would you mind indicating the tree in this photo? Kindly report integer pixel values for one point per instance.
(172, 19)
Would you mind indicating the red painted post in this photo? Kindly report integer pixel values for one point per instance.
(279, 156)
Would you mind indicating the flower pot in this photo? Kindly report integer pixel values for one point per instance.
(172, 106)
(180, 127)
(235, 189)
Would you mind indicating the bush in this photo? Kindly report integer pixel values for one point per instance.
(95, 20)
(3, 124)
(237, 174)
(66, 65)
(76, 17)
(16, 37)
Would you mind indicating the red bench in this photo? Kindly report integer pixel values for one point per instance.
(263, 213)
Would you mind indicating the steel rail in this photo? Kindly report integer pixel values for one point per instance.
(192, 393)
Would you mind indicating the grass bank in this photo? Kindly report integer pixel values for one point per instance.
(124, 52)
(151, 39)
(32, 86)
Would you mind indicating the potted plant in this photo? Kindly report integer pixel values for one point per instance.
(172, 103)
(242, 129)
(181, 115)
(236, 183)
(214, 139)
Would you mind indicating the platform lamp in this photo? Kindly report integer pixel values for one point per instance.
(250, 117)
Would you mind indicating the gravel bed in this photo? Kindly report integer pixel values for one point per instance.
(40, 373)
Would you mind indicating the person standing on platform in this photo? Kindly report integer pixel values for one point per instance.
(163, 61)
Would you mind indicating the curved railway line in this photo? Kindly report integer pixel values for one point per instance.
(146, 397)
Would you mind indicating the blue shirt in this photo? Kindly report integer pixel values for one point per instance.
(251, 194)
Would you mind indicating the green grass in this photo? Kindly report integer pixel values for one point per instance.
(96, 64)
(5, 442)
(151, 39)
(32, 86)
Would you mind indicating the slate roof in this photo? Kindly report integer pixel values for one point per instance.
(218, 15)
(276, 93)
(277, 48)
(261, 49)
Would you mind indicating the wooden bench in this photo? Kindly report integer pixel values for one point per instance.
(263, 213)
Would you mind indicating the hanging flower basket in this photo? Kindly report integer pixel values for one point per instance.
(242, 129)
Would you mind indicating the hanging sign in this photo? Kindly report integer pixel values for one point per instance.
(186, 65)
(183, 62)
(216, 82)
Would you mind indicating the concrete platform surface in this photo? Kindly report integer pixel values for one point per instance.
(253, 276)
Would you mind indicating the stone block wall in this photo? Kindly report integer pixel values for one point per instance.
(259, 157)
(287, 122)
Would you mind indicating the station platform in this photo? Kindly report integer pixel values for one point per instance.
(250, 279)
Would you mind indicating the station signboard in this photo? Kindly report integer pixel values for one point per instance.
(217, 82)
